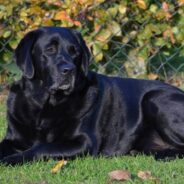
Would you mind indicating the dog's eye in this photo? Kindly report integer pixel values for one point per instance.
(72, 50)
(51, 49)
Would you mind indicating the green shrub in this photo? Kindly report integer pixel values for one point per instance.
(141, 38)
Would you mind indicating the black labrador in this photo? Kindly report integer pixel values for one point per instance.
(59, 109)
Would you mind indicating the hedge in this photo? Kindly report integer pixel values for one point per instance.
(123, 35)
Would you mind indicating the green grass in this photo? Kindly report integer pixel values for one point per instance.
(89, 170)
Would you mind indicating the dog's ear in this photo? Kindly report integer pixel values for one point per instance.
(85, 52)
(23, 54)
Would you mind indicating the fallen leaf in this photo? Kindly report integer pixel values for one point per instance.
(146, 175)
(119, 175)
(58, 166)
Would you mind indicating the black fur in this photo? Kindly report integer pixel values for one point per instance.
(60, 109)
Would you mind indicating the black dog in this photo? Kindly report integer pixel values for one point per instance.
(59, 109)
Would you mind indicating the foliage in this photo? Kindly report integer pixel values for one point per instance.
(123, 35)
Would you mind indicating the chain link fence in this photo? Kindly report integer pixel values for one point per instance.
(129, 53)
(163, 63)
(122, 60)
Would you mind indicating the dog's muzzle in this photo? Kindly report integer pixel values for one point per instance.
(66, 86)
(64, 79)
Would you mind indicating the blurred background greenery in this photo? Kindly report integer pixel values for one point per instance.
(139, 38)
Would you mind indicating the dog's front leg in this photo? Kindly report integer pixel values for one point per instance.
(71, 148)
(8, 147)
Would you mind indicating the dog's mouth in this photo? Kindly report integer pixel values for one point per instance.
(65, 87)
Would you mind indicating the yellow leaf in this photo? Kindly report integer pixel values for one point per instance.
(97, 27)
(115, 28)
(105, 47)
(20, 34)
(141, 4)
(125, 39)
(35, 10)
(99, 57)
(6, 34)
(23, 14)
(48, 22)
(90, 18)
(160, 14)
(77, 23)
(181, 2)
(153, 8)
(38, 21)
(3, 78)
(103, 35)
(99, 1)
(97, 52)
(13, 44)
(58, 166)
(89, 2)
(54, 2)
(146, 175)
(122, 9)
(7, 57)
(62, 15)
(24, 19)
(152, 76)
(113, 11)
(84, 2)
(67, 21)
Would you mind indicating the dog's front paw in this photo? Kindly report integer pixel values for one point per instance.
(12, 160)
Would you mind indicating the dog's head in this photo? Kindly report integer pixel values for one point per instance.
(56, 56)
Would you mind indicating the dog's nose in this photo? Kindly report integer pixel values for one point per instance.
(67, 69)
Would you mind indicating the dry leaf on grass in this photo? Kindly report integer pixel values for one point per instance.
(146, 175)
(58, 166)
(119, 175)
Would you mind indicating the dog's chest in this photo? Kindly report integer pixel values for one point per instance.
(53, 124)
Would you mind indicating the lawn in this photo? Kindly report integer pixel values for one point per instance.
(90, 170)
